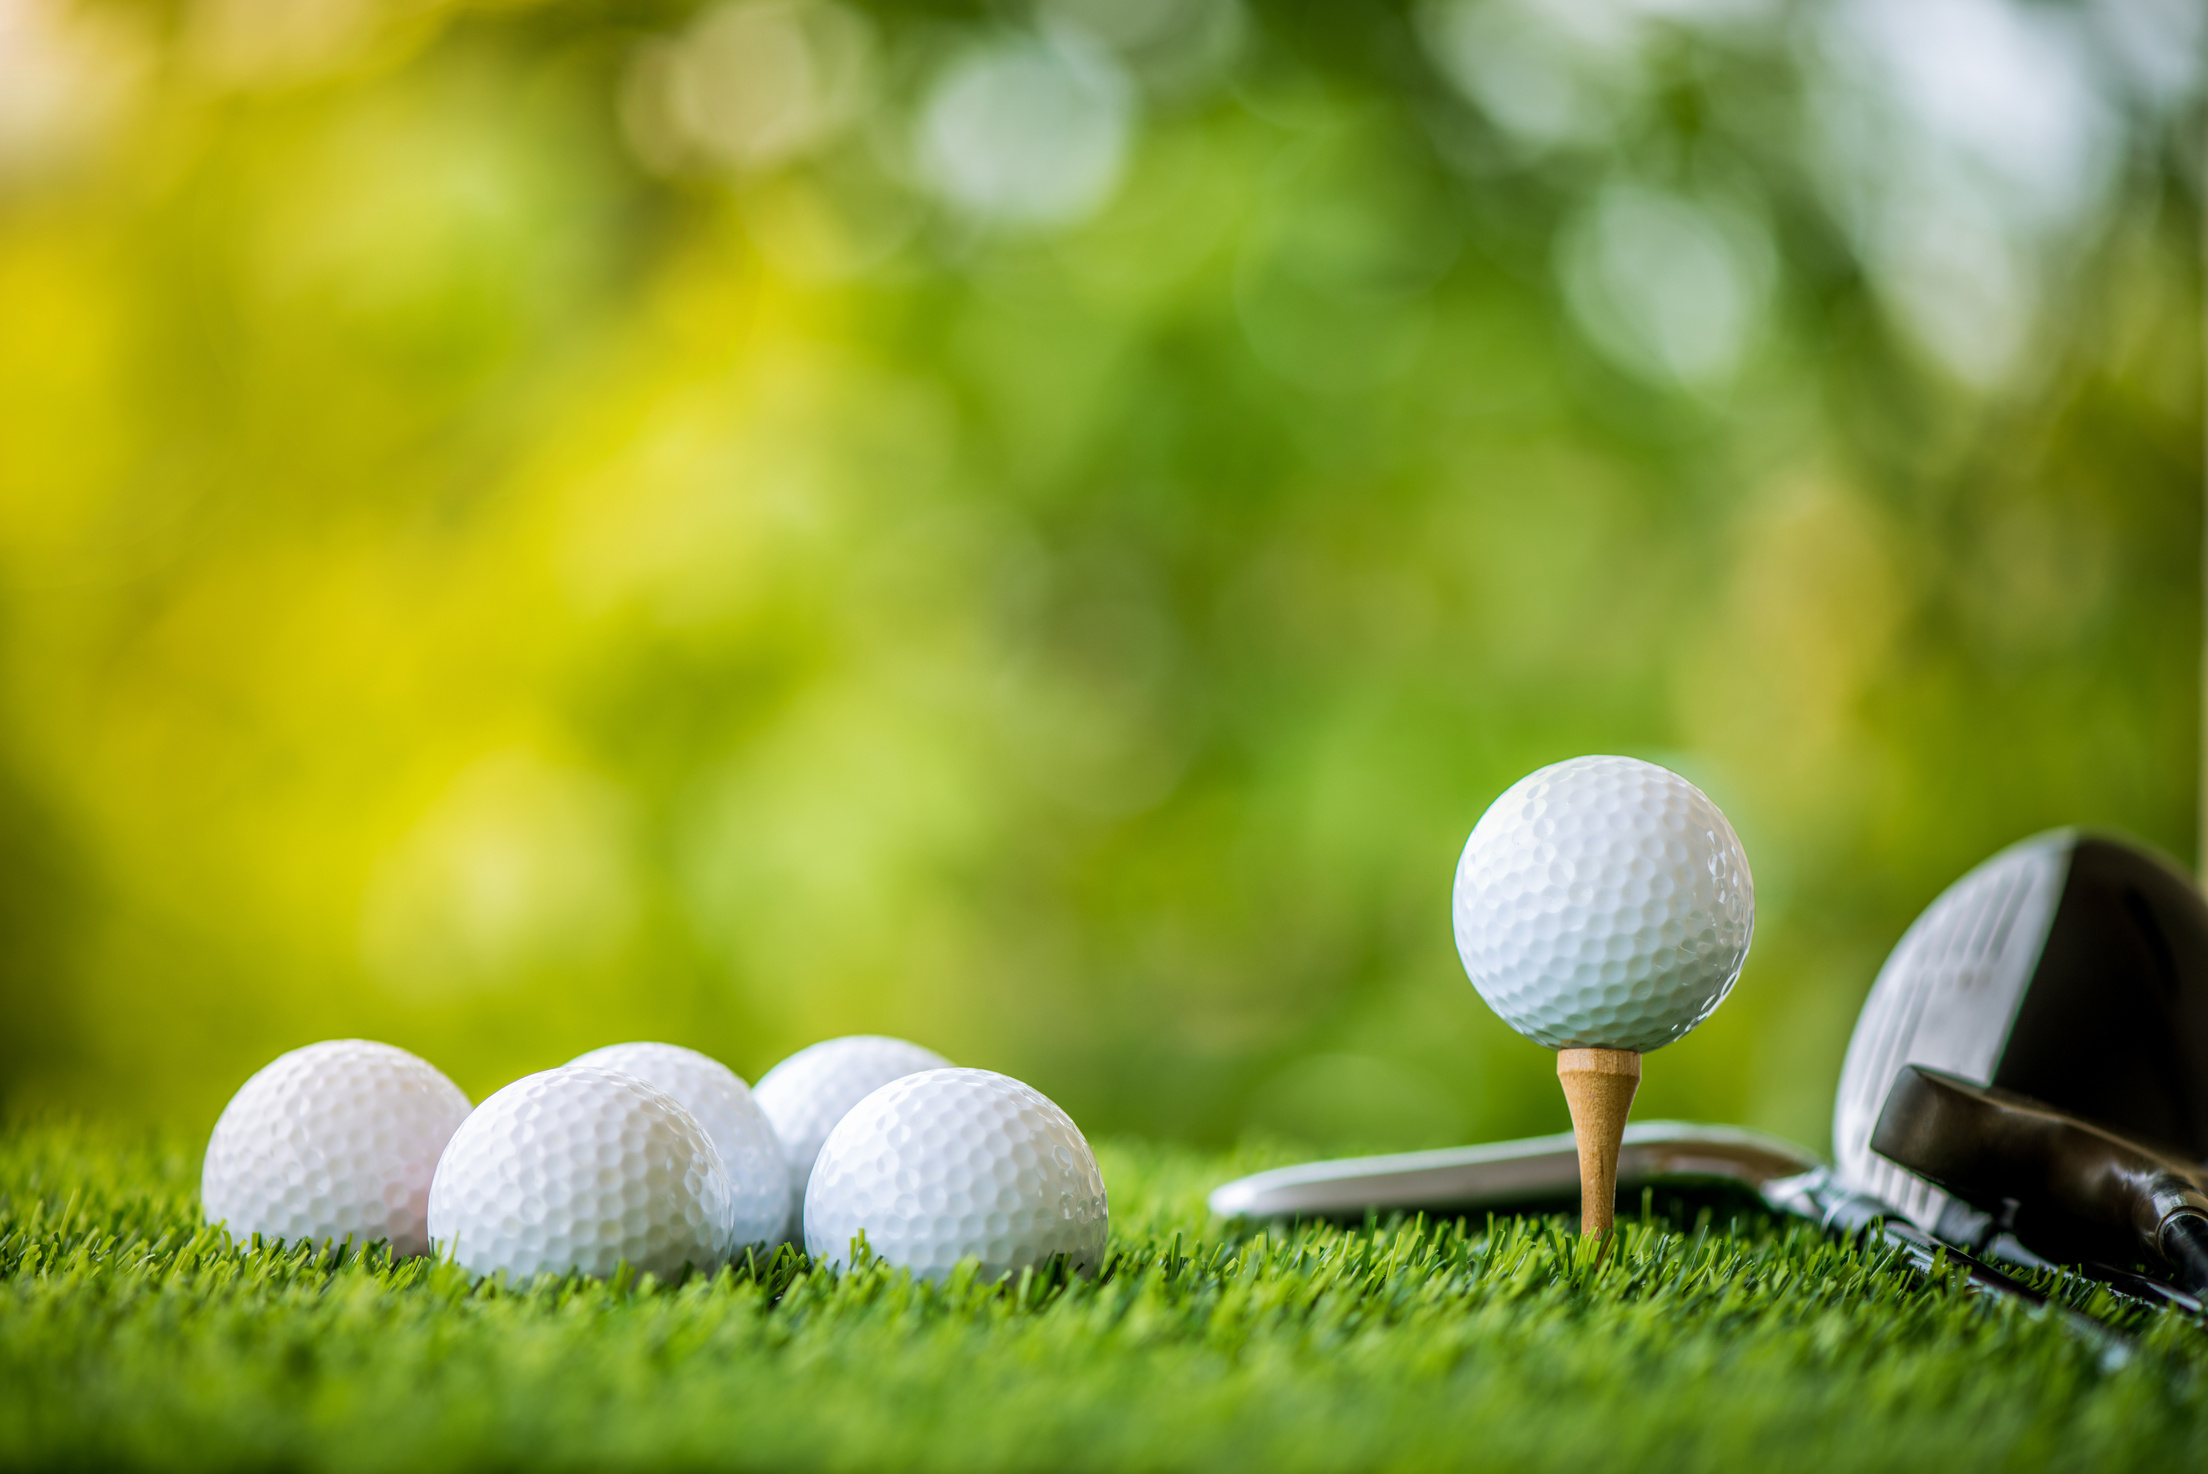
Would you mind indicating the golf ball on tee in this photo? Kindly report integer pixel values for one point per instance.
(580, 1169)
(940, 1166)
(337, 1140)
(1603, 903)
(808, 1093)
(758, 1178)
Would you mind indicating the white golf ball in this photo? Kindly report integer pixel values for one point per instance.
(758, 1178)
(941, 1166)
(1603, 903)
(808, 1093)
(337, 1140)
(580, 1169)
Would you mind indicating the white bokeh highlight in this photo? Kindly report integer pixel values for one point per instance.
(1028, 130)
(1671, 289)
(749, 86)
(1963, 143)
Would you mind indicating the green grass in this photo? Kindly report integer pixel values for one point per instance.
(132, 1336)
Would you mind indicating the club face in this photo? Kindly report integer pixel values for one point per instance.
(1946, 997)
(2069, 968)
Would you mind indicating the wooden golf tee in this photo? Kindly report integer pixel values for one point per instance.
(1598, 1086)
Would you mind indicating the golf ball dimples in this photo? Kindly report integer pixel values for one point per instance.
(955, 1163)
(758, 1178)
(808, 1093)
(1603, 903)
(580, 1169)
(337, 1140)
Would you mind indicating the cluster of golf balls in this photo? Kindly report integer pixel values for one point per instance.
(660, 1159)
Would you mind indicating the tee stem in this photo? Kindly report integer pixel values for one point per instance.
(1598, 1086)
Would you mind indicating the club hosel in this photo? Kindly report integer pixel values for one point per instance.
(2167, 1197)
(2182, 1242)
(1598, 1086)
(2129, 1188)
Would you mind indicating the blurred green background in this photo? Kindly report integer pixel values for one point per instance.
(1039, 528)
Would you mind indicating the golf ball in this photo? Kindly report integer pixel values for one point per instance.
(758, 1178)
(808, 1093)
(1603, 903)
(337, 1140)
(581, 1169)
(941, 1166)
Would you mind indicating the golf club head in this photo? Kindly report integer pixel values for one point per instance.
(2070, 968)
(2067, 1189)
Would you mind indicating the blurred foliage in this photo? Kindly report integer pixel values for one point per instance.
(1040, 529)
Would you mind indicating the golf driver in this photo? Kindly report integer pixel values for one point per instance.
(2071, 969)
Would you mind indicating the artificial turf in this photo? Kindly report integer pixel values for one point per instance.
(131, 1335)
